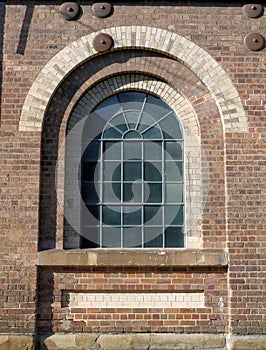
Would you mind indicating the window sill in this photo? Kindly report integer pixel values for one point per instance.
(133, 257)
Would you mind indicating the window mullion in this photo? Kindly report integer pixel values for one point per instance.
(163, 192)
(122, 192)
(141, 111)
(101, 194)
(142, 194)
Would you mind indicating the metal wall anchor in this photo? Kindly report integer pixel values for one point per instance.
(254, 41)
(101, 9)
(69, 10)
(252, 10)
(102, 42)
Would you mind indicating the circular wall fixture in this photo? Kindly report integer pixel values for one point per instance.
(69, 10)
(101, 9)
(102, 42)
(252, 10)
(254, 41)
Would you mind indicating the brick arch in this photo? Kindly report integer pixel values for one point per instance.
(179, 103)
(141, 37)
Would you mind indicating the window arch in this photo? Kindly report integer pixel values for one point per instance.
(132, 174)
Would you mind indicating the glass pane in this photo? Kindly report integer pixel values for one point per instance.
(132, 118)
(153, 150)
(132, 216)
(174, 193)
(174, 237)
(90, 192)
(145, 121)
(173, 150)
(111, 215)
(112, 150)
(132, 100)
(153, 215)
(93, 126)
(132, 134)
(112, 192)
(93, 210)
(132, 192)
(92, 152)
(111, 237)
(171, 127)
(173, 171)
(112, 171)
(90, 171)
(153, 192)
(174, 215)
(156, 107)
(152, 171)
(152, 133)
(132, 171)
(90, 215)
(132, 150)
(90, 237)
(112, 133)
(153, 237)
(120, 122)
(132, 237)
(108, 108)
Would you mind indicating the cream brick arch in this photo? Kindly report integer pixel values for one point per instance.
(179, 103)
(199, 61)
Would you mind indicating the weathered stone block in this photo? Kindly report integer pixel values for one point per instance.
(4, 342)
(186, 341)
(140, 341)
(87, 341)
(61, 341)
(114, 342)
(248, 342)
(18, 342)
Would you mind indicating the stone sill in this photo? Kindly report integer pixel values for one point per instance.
(133, 257)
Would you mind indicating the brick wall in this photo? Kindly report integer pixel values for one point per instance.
(71, 315)
(233, 213)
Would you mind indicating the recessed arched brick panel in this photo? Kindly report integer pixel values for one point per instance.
(104, 75)
(195, 58)
(193, 152)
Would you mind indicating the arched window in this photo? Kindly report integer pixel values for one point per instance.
(132, 175)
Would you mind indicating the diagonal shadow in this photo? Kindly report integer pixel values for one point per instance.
(25, 29)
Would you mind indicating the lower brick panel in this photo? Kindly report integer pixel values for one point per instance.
(120, 300)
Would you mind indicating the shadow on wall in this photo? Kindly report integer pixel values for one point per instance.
(25, 29)
(2, 28)
(45, 299)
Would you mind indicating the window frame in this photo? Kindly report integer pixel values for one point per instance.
(140, 105)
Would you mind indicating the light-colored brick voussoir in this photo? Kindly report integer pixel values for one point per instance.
(194, 57)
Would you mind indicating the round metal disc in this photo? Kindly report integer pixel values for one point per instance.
(101, 9)
(69, 10)
(254, 41)
(252, 10)
(102, 42)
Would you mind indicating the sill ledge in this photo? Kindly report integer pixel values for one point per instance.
(133, 257)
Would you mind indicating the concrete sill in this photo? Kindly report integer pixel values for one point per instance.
(133, 257)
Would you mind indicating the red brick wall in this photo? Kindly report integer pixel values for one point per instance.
(211, 318)
(234, 213)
